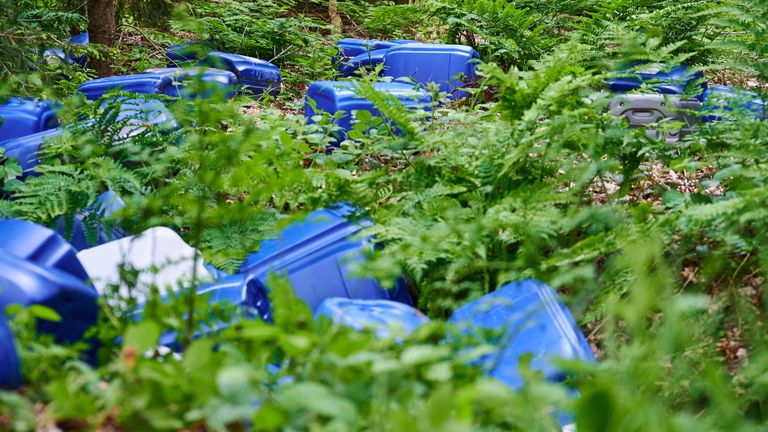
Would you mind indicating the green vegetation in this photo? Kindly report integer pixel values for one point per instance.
(660, 251)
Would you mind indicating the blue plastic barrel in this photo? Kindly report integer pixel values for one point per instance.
(10, 368)
(449, 66)
(26, 282)
(22, 117)
(380, 316)
(243, 290)
(334, 96)
(188, 51)
(659, 78)
(40, 245)
(166, 81)
(353, 47)
(365, 60)
(318, 255)
(24, 149)
(717, 99)
(256, 76)
(534, 321)
(137, 115)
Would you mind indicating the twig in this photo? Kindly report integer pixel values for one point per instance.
(284, 52)
(733, 277)
(689, 279)
(595, 330)
(10, 36)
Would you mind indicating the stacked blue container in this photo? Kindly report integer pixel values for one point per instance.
(38, 267)
(726, 98)
(22, 117)
(667, 101)
(354, 54)
(136, 113)
(171, 82)
(661, 79)
(533, 320)
(81, 60)
(674, 82)
(318, 256)
(448, 66)
(335, 96)
(256, 77)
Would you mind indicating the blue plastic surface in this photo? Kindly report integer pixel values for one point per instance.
(40, 245)
(106, 204)
(256, 76)
(239, 289)
(10, 368)
(136, 113)
(244, 290)
(353, 47)
(81, 39)
(449, 66)
(22, 117)
(335, 96)
(717, 99)
(381, 316)
(535, 322)
(25, 149)
(216, 78)
(188, 51)
(143, 113)
(145, 83)
(167, 81)
(317, 254)
(364, 60)
(669, 81)
(25, 282)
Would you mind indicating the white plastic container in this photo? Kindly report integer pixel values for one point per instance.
(162, 258)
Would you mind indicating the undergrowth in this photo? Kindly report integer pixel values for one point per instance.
(531, 179)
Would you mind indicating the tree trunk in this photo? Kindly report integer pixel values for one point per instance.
(102, 27)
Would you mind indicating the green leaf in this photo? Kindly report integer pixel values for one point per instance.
(44, 313)
(198, 355)
(142, 336)
(420, 354)
(317, 398)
